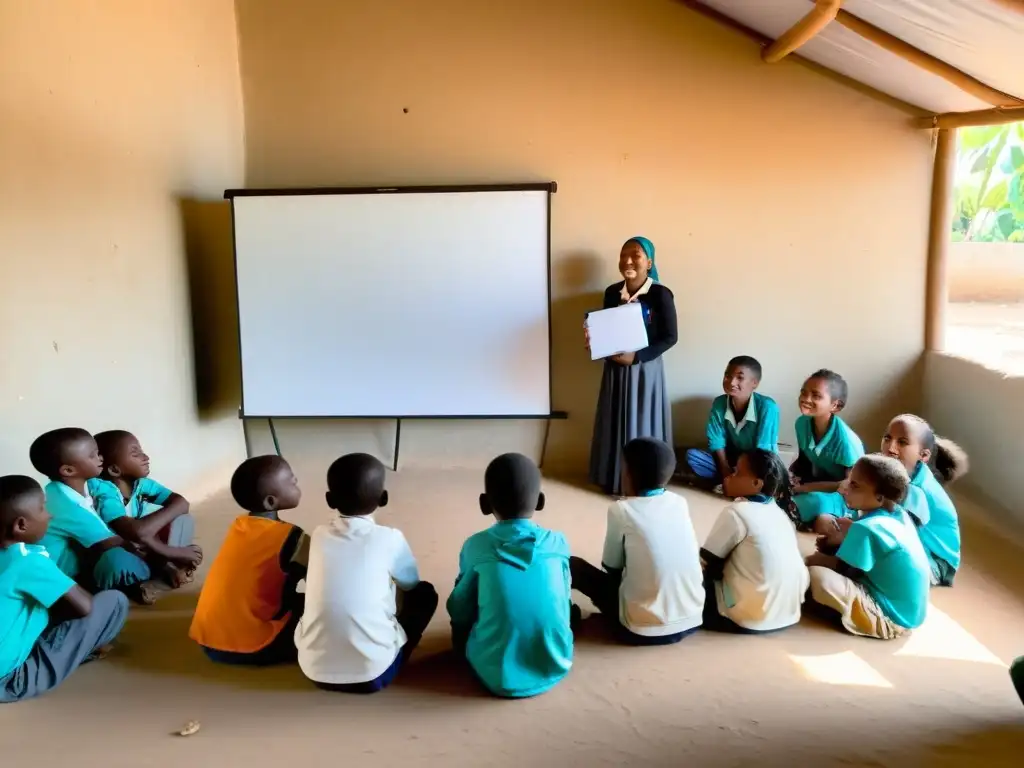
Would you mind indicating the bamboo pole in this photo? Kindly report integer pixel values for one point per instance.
(968, 119)
(939, 237)
(927, 62)
(817, 19)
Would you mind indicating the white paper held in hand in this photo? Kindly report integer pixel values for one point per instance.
(616, 330)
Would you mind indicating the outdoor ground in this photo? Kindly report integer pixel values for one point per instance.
(991, 334)
(809, 696)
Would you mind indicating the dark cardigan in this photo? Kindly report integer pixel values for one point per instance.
(662, 331)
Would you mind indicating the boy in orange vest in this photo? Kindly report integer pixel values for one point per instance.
(249, 607)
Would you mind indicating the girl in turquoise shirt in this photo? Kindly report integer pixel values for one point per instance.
(932, 463)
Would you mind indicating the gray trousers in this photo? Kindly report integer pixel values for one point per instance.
(182, 531)
(63, 648)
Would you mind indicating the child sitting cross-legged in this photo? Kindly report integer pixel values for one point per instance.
(141, 511)
(877, 581)
(80, 543)
(828, 449)
(510, 608)
(249, 605)
(49, 626)
(366, 607)
(755, 577)
(651, 586)
(740, 420)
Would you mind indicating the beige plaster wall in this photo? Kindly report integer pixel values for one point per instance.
(790, 212)
(115, 117)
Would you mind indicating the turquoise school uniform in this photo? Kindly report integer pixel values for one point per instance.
(759, 427)
(76, 526)
(830, 459)
(511, 606)
(147, 497)
(937, 522)
(896, 572)
(30, 583)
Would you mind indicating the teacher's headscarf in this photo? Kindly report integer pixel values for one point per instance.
(648, 247)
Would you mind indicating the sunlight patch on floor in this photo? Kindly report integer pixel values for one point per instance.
(845, 668)
(941, 637)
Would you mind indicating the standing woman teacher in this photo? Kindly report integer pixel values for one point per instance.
(634, 401)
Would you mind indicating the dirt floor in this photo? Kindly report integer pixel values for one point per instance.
(809, 696)
(991, 334)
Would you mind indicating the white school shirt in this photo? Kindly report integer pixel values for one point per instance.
(652, 541)
(349, 632)
(765, 577)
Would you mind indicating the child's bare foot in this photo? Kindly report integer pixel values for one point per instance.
(145, 593)
(173, 575)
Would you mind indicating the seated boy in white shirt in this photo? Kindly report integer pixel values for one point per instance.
(652, 584)
(353, 636)
(755, 574)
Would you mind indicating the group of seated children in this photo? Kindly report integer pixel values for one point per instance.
(886, 531)
(102, 526)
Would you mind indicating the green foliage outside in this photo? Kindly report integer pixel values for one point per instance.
(989, 191)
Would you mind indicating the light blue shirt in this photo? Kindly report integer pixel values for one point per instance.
(896, 572)
(936, 518)
(147, 496)
(30, 583)
(75, 525)
(512, 597)
(759, 427)
(833, 455)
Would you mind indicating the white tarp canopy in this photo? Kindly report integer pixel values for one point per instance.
(981, 38)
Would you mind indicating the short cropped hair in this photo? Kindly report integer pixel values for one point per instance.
(14, 488)
(356, 483)
(248, 481)
(512, 485)
(47, 452)
(837, 387)
(748, 362)
(110, 441)
(650, 462)
(887, 474)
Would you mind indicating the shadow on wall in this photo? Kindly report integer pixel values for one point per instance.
(689, 421)
(209, 253)
(575, 379)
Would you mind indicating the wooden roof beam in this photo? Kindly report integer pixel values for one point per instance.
(819, 17)
(927, 62)
(998, 116)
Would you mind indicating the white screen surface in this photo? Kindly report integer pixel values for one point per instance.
(394, 304)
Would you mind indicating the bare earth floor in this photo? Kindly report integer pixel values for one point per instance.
(809, 696)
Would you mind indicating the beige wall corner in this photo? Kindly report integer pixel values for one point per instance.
(980, 409)
(111, 114)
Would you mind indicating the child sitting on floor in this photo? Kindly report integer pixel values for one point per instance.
(740, 420)
(249, 606)
(49, 626)
(828, 448)
(878, 580)
(932, 462)
(70, 458)
(755, 577)
(510, 605)
(652, 586)
(356, 632)
(142, 511)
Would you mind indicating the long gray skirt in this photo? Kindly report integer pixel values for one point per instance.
(633, 403)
